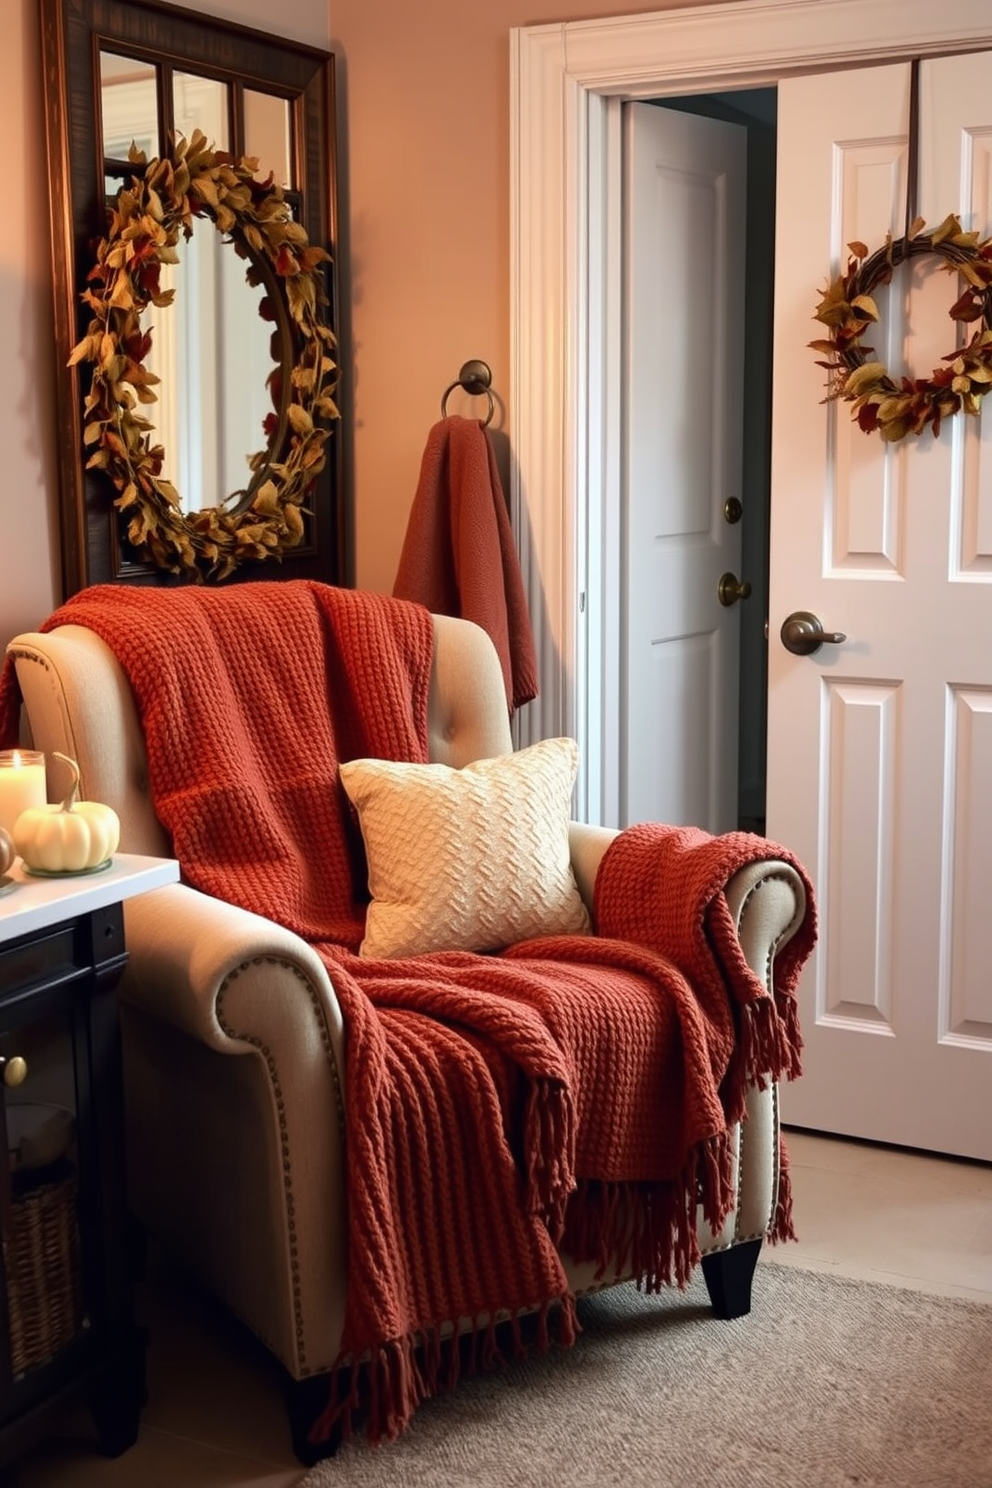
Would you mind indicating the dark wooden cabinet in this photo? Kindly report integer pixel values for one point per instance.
(68, 1334)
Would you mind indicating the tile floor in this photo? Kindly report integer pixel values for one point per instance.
(214, 1416)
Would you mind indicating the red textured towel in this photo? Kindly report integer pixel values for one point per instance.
(574, 1090)
(459, 557)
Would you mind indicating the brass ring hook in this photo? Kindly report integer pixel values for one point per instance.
(476, 378)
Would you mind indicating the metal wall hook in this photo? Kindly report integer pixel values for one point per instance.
(475, 377)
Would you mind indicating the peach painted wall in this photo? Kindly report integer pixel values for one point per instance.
(28, 555)
(424, 154)
(29, 546)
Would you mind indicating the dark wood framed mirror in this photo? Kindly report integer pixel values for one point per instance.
(128, 83)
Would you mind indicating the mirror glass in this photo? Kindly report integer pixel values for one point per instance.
(212, 351)
(201, 103)
(128, 107)
(267, 135)
(210, 348)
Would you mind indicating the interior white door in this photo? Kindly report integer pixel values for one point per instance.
(685, 194)
(880, 748)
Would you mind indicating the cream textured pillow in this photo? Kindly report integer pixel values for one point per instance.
(471, 859)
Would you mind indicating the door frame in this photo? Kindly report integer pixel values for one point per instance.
(568, 82)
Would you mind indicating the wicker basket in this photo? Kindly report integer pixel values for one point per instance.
(41, 1257)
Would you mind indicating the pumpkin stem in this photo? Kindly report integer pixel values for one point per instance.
(70, 799)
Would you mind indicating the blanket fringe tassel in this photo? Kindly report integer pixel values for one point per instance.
(768, 1047)
(781, 1228)
(648, 1230)
(380, 1394)
(549, 1141)
(769, 1040)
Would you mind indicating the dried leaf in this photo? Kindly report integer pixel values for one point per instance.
(967, 308)
(299, 419)
(294, 523)
(205, 188)
(947, 229)
(862, 378)
(85, 351)
(266, 500)
(890, 408)
(866, 304)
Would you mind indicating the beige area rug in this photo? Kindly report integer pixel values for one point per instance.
(828, 1382)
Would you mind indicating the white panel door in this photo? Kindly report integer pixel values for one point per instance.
(880, 748)
(685, 186)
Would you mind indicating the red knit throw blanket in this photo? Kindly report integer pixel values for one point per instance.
(488, 1124)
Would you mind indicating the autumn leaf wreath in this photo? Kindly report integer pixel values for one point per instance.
(907, 405)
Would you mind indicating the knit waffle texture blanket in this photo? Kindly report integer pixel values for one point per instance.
(567, 1095)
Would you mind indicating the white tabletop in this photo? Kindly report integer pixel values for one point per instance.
(29, 904)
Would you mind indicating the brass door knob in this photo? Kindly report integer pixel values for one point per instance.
(803, 633)
(15, 1070)
(730, 589)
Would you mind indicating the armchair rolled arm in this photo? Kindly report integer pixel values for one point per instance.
(587, 846)
(768, 903)
(190, 962)
(767, 899)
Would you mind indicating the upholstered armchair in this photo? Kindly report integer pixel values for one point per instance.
(235, 1039)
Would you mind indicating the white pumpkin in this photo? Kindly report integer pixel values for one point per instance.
(70, 837)
(7, 853)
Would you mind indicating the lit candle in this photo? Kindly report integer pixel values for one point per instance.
(22, 784)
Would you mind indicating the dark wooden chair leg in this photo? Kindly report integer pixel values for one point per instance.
(305, 1399)
(728, 1275)
(116, 1399)
(135, 1249)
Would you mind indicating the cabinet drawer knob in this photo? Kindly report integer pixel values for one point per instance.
(14, 1070)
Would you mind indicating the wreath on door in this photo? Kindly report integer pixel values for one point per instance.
(855, 375)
